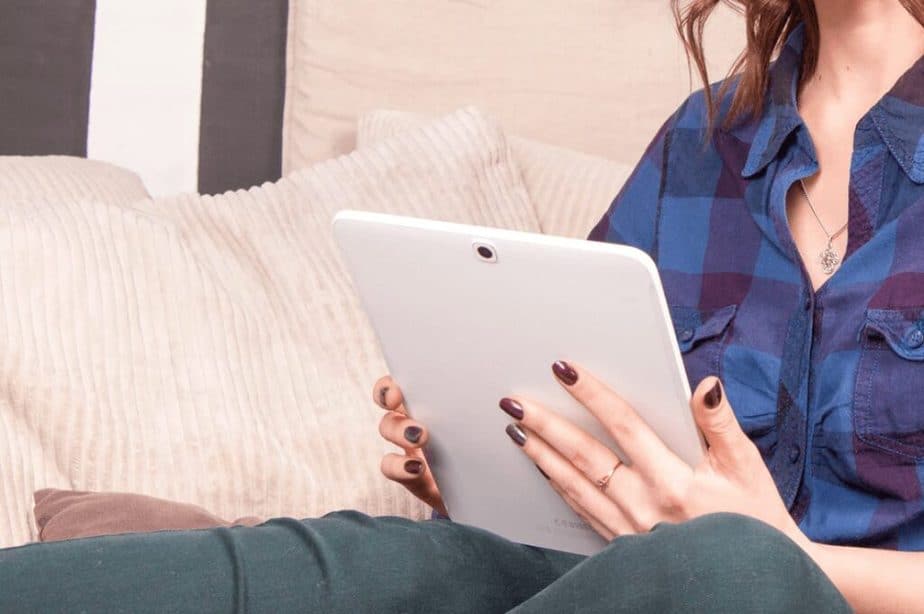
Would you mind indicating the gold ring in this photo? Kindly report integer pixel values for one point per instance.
(603, 482)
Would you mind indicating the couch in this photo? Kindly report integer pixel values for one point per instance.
(210, 349)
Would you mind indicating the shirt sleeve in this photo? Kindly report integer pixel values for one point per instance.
(632, 217)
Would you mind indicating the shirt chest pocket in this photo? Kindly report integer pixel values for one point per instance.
(888, 400)
(701, 335)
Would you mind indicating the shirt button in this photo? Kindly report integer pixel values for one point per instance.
(794, 453)
(915, 338)
(807, 305)
(686, 334)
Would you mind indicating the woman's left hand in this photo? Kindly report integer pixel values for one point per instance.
(655, 485)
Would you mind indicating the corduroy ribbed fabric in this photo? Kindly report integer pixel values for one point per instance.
(567, 188)
(211, 350)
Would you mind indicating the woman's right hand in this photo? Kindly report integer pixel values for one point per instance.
(410, 468)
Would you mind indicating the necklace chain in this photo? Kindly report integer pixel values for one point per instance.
(808, 199)
(829, 258)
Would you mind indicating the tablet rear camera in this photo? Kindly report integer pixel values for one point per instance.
(485, 252)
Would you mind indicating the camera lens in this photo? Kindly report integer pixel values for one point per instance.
(485, 252)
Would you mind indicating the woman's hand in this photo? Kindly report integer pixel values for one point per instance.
(654, 485)
(409, 469)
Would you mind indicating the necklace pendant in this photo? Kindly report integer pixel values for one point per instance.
(830, 259)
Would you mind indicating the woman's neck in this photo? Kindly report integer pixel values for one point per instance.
(866, 45)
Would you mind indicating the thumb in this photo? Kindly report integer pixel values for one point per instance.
(717, 421)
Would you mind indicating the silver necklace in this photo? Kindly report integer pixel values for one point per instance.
(829, 257)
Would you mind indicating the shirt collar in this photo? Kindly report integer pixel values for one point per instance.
(898, 116)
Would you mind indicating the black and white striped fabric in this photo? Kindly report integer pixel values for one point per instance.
(188, 94)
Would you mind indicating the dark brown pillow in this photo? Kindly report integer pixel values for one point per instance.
(69, 514)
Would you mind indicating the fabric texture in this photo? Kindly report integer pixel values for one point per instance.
(46, 51)
(243, 92)
(28, 182)
(72, 514)
(211, 350)
(552, 71)
(827, 383)
(347, 562)
(567, 188)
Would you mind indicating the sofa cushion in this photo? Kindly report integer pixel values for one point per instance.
(74, 514)
(570, 190)
(598, 76)
(32, 181)
(211, 350)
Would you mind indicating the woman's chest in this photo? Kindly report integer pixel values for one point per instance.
(830, 385)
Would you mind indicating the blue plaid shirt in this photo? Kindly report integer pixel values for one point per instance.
(828, 384)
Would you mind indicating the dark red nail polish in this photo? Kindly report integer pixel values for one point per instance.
(565, 372)
(413, 467)
(514, 409)
(714, 397)
(382, 392)
(413, 433)
(517, 434)
(544, 474)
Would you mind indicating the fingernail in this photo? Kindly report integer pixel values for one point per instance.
(382, 392)
(413, 433)
(517, 434)
(413, 466)
(514, 409)
(564, 372)
(714, 397)
(544, 474)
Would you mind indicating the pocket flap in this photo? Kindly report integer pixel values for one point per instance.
(902, 329)
(693, 325)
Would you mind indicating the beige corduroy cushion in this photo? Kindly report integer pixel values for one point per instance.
(28, 181)
(210, 350)
(598, 76)
(569, 190)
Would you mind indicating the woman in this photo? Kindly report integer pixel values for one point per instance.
(806, 224)
(783, 209)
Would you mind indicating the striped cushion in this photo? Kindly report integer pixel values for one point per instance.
(187, 93)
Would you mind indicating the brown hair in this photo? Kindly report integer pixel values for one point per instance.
(768, 23)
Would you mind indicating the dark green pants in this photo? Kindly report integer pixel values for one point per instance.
(349, 562)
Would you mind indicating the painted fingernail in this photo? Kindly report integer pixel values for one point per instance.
(413, 433)
(565, 372)
(382, 392)
(514, 409)
(517, 434)
(714, 397)
(413, 467)
(544, 474)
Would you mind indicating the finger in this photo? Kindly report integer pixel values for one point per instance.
(580, 448)
(413, 473)
(585, 494)
(387, 394)
(716, 419)
(402, 431)
(600, 529)
(642, 446)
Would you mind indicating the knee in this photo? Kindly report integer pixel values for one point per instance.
(723, 553)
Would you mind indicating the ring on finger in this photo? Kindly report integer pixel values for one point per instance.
(603, 482)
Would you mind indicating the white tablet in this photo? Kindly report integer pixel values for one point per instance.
(467, 315)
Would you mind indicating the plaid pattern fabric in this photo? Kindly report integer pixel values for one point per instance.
(829, 384)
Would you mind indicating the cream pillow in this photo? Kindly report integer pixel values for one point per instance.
(598, 76)
(569, 190)
(32, 181)
(211, 350)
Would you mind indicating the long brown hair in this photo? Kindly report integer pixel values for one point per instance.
(768, 23)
